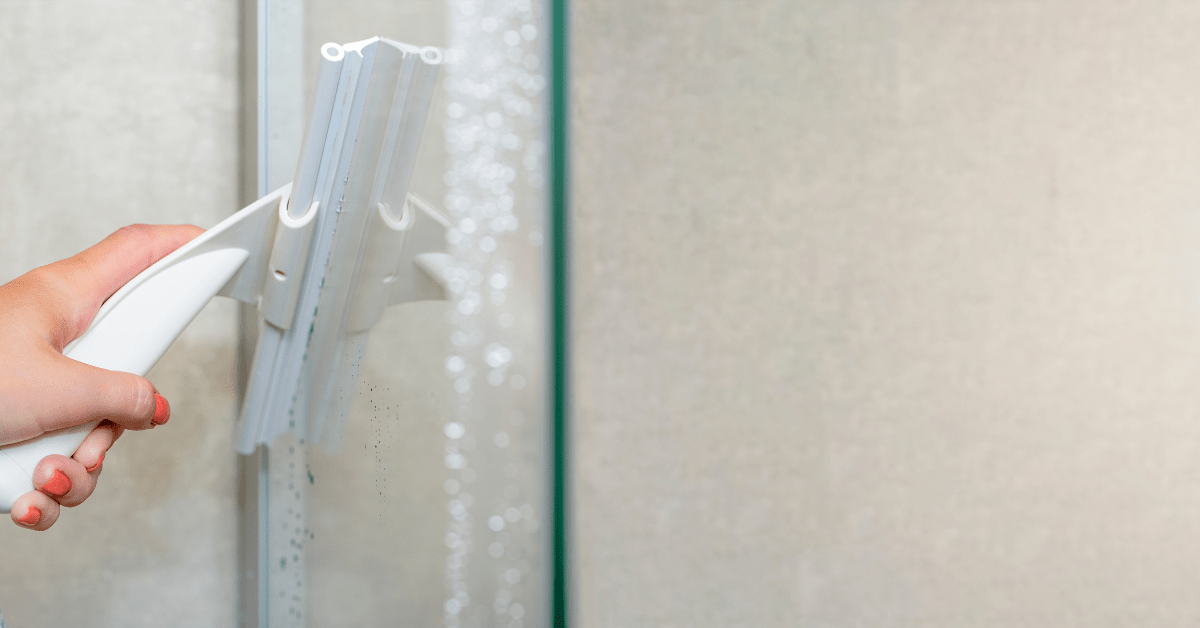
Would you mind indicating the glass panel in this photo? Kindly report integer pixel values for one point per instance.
(374, 508)
(435, 508)
(496, 448)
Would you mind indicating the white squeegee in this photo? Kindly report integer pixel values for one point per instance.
(320, 258)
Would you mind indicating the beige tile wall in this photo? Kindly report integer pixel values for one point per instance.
(111, 113)
(886, 313)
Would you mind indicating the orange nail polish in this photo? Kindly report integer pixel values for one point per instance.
(97, 465)
(162, 410)
(32, 516)
(58, 485)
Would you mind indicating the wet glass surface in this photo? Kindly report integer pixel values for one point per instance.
(434, 508)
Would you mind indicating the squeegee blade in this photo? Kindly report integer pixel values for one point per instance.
(367, 116)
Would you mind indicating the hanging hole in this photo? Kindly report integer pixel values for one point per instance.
(431, 55)
(390, 278)
(332, 51)
(280, 275)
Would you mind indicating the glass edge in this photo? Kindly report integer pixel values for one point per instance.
(560, 295)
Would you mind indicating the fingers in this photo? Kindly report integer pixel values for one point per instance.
(35, 511)
(62, 481)
(91, 453)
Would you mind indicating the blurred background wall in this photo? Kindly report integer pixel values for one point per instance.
(112, 113)
(885, 313)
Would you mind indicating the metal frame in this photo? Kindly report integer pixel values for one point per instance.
(272, 114)
(560, 208)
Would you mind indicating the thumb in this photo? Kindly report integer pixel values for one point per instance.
(91, 277)
(86, 393)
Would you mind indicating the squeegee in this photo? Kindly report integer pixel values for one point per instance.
(320, 258)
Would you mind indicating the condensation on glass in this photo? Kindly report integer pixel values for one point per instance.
(436, 508)
(496, 441)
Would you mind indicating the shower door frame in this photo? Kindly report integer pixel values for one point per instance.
(272, 114)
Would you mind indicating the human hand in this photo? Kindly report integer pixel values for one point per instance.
(41, 390)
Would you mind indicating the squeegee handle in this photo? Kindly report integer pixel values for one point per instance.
(130, 333)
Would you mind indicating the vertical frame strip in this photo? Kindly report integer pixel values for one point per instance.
(560, 119)
(272, 116)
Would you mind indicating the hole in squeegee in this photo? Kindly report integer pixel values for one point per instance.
(280, 275)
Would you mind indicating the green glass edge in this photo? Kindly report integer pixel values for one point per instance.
(560, 214)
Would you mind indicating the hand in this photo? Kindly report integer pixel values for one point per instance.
(41, 390)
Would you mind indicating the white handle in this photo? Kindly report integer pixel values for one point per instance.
(136, 326)
(130, 333)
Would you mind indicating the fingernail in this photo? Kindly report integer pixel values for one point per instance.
(97, 465)
(32, 516)
(162, 410)
(58, 485)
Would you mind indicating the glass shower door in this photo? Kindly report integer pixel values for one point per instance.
(437, 509)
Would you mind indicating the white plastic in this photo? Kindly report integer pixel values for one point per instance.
(386, 276)
(359, 150)
(288, 256)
